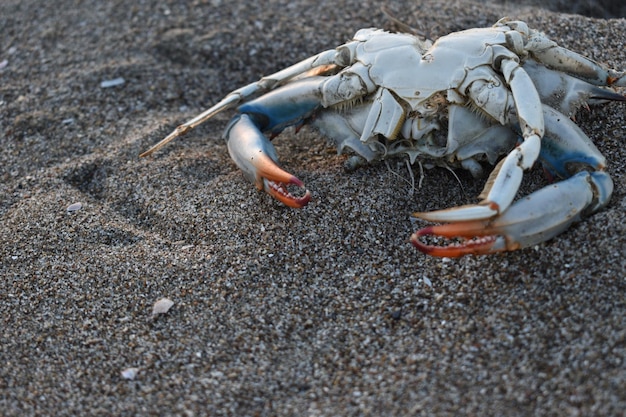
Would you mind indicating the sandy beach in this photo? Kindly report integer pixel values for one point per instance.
(323, 311)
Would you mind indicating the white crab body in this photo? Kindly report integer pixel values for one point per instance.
(470, 97)
(395, 62)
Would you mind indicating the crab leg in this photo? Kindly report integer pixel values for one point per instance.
(524, 86)
(508, 174)
(238, 96)
(543, 214)
(561, 59)
(565, 92)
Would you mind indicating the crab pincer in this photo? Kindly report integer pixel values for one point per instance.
(477, 239)
(255, 155)
(531, 220)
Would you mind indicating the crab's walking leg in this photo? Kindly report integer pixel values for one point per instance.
(561, 59)
(238, 96)
(567, 93)
(546, 212)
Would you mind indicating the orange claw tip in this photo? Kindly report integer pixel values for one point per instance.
(264, 167)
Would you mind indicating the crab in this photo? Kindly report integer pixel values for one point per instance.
(464, 101)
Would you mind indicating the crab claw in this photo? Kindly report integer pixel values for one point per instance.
(255, 155)
(531, 220)
(279, 192)
(479, 238)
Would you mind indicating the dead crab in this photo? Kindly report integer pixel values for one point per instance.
(469, 97)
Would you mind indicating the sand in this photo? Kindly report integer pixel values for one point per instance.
(326, 310)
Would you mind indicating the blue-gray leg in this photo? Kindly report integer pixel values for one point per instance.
(253, 152)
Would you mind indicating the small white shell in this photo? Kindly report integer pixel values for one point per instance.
(74, 207)
(162, 306)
